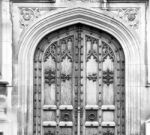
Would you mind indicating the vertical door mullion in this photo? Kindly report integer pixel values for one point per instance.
(58, 87)
(100, 85)
(79, 78)
(83, 76)
(76, 70)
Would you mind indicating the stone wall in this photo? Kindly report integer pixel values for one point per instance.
(17, 17)
(0, 40)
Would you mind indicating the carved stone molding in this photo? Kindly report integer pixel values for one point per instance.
(130, 15)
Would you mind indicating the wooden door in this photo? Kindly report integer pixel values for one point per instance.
(79, 84)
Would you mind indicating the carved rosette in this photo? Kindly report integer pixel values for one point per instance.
(130, 15)
(28, 15)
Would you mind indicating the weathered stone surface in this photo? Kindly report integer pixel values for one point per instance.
(23, 25)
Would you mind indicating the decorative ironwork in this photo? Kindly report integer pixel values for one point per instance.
(92, 77)
(108, 77)
(66, 115)
(107, 51)
(81, 112)
(65, 77)
(108, 133)
(91, 115)
(50, 76)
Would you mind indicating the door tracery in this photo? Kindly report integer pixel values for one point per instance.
(79, 84)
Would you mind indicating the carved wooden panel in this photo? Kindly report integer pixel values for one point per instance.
(79, 83)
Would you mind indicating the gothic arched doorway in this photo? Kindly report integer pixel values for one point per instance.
(79, 83)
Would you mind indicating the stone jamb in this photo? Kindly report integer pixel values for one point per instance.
(6, 42)
(148, 44)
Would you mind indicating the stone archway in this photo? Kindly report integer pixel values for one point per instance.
(59, 19)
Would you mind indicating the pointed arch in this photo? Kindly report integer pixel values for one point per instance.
(65, 17)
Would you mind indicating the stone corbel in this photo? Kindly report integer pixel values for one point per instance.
(3, 101)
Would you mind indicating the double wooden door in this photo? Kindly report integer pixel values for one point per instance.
(79, 84)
